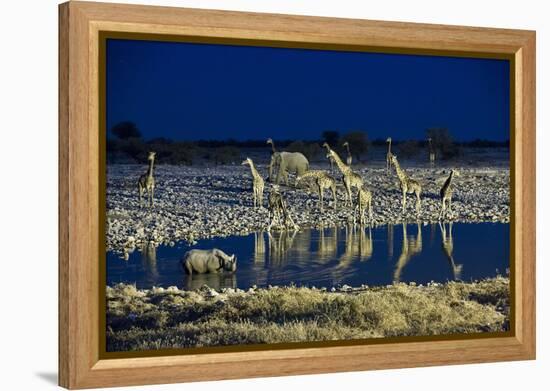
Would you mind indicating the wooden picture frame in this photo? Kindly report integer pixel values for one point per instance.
(80, 152)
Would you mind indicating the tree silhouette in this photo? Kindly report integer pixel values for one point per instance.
(331, 137)
(358, 143)
(126, 130)
(443, 142)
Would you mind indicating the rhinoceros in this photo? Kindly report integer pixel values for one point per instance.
(208, 261)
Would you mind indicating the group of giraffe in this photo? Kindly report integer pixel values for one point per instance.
(323, 181)
(351, 180)
(409, 185)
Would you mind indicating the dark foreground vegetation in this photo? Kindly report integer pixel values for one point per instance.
(170, 318)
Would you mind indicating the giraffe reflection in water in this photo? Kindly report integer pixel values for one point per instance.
(411, 245)
(447, 247)
(327, 248)
(358, 246)
(259, 247)
(389, 233)
(279, 245)
(328, 256)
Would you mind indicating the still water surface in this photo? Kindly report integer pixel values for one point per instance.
(331, 257)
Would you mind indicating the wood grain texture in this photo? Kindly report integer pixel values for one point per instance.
(80, 24)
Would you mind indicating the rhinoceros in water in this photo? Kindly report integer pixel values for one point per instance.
(208, 261)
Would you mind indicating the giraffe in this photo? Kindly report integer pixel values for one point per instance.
(270, 141)
(257, 183)
(364, 203)
(431, 151)
(350, 178)
(146, 182)
(349, 158)
(278, 209)
(330, 159)
(410, 247)
(273, 152)
(323, 181)
(388, 154)
(447, 247)
(407, 185)
(446, 194)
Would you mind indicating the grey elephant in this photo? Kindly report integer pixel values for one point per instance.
(208, 261)
(288, 162)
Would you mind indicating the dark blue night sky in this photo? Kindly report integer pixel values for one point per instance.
(201, 91)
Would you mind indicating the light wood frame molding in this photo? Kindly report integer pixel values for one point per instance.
(80, 364)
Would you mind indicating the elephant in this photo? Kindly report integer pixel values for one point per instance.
(293, 162)
(208, 261)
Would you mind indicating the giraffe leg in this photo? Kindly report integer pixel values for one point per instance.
(418, 202)
(370, 210)
(333, 188)
(152, 197)
(348, 190)
(262, 197)
(442, 208)
(321, 197)
(404, 202)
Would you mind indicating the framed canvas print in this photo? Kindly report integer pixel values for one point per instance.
(247, 195)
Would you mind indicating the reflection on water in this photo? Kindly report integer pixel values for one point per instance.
(149, 260)
(411, 245)
(447, 246)
(213, 280)
(330, 256)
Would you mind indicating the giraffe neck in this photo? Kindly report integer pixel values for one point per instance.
(389, 147)
(150, 169)
(341, 166)
(449, 180)
(347, 147)
(273, 147)
(255, 173)
(400, 173)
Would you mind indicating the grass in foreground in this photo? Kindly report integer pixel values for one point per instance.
(170, 318)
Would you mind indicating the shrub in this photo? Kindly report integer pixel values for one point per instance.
(408, 149)
(126, 130)
(310, 150)
(224, 155)
(443, 143)
(358, 143)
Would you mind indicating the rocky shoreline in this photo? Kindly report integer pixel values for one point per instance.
(194, 202)
(161, 318)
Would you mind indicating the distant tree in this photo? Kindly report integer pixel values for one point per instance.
(126, 130)
(225, 155)
(358, 143)
(443, 143)
(408, 149)
(134, 147)
(331, 137)
(181, 153)
(309, 150)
